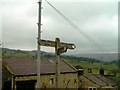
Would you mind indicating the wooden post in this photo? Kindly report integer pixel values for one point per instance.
(13, 83)
(57, 69)
(15, 86)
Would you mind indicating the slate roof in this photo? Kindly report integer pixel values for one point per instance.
(94, 79)
(29, 67)
(106, 80)
(100, 80)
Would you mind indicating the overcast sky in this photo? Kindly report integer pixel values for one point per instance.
(99, 20)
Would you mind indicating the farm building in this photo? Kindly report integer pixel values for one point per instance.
(20, 74)
(92, 81)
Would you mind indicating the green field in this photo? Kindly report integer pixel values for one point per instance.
(94, 66)
(109, 69)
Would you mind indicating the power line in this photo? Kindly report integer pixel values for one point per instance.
(1, 44)
(79, 30)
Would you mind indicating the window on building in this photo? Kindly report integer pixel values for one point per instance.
(75, 81)
(64, 81)
(81, 81)
(89, 88)
(51, 80)
(92, 88)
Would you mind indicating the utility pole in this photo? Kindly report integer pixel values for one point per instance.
(38, 46)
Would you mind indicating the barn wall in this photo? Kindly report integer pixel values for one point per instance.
(6, 79)
(5, 74)
(68, 80)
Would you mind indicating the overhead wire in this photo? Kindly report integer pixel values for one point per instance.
(79, 30)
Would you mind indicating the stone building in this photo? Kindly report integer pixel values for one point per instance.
(92, 81)
(20, 74)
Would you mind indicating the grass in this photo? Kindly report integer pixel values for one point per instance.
(95, 68)
(16, 55)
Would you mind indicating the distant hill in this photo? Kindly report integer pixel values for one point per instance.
(11, 53)
(101, 56)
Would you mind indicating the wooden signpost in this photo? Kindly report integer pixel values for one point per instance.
(60, 47)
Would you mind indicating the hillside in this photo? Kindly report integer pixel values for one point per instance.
(101, 56)
(91, 58)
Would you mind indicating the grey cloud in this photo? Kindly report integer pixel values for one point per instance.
(20, 28)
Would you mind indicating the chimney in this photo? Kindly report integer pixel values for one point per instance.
(89, 70)
(80, 70)
(101, 71)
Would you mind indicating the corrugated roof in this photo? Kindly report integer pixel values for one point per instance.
(106, 80)
(29, 67)
(94, 79)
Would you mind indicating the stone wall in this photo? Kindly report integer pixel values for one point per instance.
(6, 76)
(67, 80)
(85, 83)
